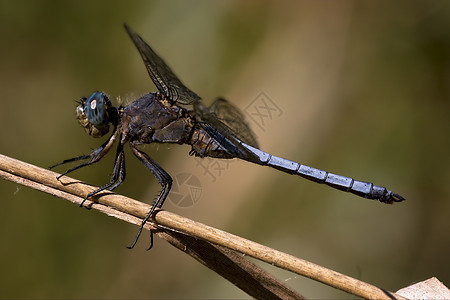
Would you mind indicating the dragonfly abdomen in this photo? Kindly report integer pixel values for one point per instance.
(204, 145)
(360, 188)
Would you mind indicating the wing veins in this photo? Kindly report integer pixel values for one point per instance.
(162, 76)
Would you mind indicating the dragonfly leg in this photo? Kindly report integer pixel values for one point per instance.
(117, 177)
(81, 157)
(93, 157)
(163, 178)
(151, 240)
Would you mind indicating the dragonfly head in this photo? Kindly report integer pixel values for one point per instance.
(93, 114)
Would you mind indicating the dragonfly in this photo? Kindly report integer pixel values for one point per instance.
(175, 114)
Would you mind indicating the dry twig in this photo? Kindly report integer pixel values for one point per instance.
(212, 247)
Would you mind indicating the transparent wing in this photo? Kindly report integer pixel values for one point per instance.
(162, 76)
(225, 123)
(232, 116)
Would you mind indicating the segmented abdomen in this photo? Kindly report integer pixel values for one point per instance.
(204, 145)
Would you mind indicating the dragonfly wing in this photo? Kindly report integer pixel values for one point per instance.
(234, 119)
(162, 76)
(221, 131)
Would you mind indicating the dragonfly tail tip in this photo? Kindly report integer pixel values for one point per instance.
(397, 198)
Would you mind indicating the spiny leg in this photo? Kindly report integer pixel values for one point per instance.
(163, 178)
(93, 157)
(81, 157)
(117, 177)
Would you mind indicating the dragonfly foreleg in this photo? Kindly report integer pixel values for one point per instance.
(93, 157)
(163, 178)
(81, 157)
(117, 177)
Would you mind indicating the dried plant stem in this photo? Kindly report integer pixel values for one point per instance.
(212, 247)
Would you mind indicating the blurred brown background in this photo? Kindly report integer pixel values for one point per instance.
(363, 88)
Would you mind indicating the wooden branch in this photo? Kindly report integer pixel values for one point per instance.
(212, 247)
(234, 267)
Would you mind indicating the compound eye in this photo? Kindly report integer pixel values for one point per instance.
(95, 109)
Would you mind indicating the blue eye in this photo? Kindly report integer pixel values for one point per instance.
(95, 109)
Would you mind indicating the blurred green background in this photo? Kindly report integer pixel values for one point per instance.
(364, 92)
